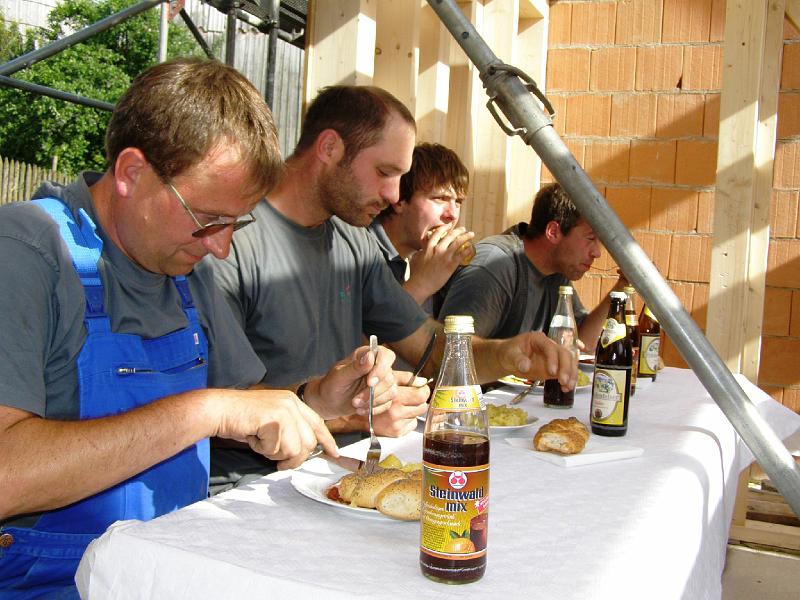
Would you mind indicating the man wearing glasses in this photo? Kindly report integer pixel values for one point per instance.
(118, 356)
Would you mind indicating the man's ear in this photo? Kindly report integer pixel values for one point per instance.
(552, 232)
(329, 147)
(128, 169)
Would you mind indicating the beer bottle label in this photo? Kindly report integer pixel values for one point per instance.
(608, 395)
(648, 354)
(612, 331)
(455, 511)
(631, 320)
(456, 398)
(649, 314)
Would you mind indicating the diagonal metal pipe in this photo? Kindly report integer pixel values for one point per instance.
(526, 119)
(34, 56)
(53, 93)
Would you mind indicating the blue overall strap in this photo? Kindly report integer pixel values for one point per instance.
(85, 247)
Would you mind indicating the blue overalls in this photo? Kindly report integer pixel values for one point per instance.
(116, 373)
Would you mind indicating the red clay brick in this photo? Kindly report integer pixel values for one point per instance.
(658, 68)
(700, 304)
(790, 73)
(787, 165)
(673, 210)
(686, 21)
(568, 69)
(779, 360)
(791, 398)
(653, 161)
(684, 291)
(775, 391)
(613, 68)
(657, 247)
(702, 67)
(559, 102)
(633, 115)
(632, 205)
(588, 288)
(794, 321)
(777, 311)
(605, 266)
(705, 212)
(680, 115)
(711, 116)
(607, 162)
(788, 114)
(783, 263)
(589, 114)
(607, 283)
(593, 23)
(559, 23)
(690, 258)
(783, 213)
(717, 31)
(695, 162)
(638, 21)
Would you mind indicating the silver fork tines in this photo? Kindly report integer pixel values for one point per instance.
(374, 452)
(518, 398)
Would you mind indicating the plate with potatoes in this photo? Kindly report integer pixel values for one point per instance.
(504, 418)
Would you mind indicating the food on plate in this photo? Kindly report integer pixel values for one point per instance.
(563, 436)
(394, 491)
(583, 379)
(504, 416)
(513, 379)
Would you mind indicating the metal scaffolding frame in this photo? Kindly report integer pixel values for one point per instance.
(515, 95)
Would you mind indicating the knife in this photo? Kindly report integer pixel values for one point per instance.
(425, 356)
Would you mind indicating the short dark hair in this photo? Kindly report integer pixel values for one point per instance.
(177, 111)
(357, 113)
(552, 203)
(434, 165)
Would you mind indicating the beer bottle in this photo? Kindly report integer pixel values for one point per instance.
(649, 344)
(455, 465)
(632, 325)
(562, 331)
(611, 386)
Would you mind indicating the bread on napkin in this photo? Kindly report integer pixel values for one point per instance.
(564, 436)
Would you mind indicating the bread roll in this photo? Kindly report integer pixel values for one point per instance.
(401, 499)
(347, 485)
(368, 488)
(564, 436)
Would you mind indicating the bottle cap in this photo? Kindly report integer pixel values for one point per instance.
(459, 324)
(619, 295)
(629, 289)
(565, 289)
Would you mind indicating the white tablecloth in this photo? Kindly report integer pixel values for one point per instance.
(655, 526)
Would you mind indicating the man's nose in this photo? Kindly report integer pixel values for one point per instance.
(219, 243)
(596, 250)
(390, 191)
(451, 212)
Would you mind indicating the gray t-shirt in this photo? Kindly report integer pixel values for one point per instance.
(487, 289)
(42, 330)
(306, 295)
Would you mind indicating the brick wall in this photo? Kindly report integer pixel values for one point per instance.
(636, 85)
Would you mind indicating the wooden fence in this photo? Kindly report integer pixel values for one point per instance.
(18, 180)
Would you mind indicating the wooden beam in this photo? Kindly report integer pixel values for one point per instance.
(340, 44)
(793, 12)
(745, 156)
(397, 49)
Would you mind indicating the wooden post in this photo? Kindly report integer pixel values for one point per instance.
(397, 49)
(434, 76)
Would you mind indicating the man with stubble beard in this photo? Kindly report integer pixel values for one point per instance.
(307, 280)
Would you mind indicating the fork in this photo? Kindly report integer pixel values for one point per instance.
(374, 452)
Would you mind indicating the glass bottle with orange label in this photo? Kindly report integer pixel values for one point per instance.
(611, 386)
(632, 325)
(455, 461)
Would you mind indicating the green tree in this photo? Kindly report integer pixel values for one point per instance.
(35, 128)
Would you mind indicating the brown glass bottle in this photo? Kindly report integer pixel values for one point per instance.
(611, 385)
(454, 517)
(632, 325)
(649, 345)
(562, 331)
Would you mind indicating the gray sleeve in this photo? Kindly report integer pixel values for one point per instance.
(26, 327)
(232, 361)
(483, 289)
(390, 312)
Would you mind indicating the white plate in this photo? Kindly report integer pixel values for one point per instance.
(315, 485)
(516, 382)
(596, 451)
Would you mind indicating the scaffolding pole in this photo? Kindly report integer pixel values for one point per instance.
(513, 93)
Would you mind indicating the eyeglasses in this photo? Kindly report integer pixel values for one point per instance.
(215, 226)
